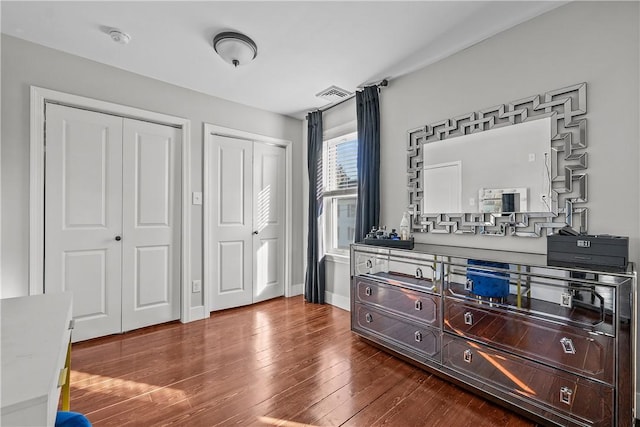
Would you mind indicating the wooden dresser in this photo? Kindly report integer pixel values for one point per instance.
(36, 332)
(552, 343)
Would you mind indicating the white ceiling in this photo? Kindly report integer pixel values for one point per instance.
(303, 47)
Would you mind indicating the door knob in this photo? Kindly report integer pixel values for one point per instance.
(255, 232)
(118, 238)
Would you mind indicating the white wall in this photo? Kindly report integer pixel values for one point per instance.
(593, 42)
(25, 64)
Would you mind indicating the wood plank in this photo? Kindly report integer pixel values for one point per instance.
(280, 362)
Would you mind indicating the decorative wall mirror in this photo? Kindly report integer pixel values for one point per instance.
(516, 168)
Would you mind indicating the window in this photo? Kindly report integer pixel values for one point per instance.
(340, 187)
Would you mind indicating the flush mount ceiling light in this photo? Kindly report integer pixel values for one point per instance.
(119, 36)
(235, 48)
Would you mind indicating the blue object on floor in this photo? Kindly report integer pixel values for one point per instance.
(71, 419)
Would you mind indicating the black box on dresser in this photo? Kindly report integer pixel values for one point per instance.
(599, 252)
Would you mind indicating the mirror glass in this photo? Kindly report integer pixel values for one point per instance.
(501, 170)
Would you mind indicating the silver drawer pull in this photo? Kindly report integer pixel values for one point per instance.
(567, 345)
(468, 285)
(419, 273)
(467, 355)
(468, 318)
(418, 336)
(369, 265)
(418, 305)
(368, 317)
(367, 291)
(566, 300)
(566, 395)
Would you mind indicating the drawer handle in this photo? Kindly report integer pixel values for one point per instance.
(567, 345)
(566, 395)
(468, 318)
(418, 305)
(566, 300)
(367, 291)
(467, 355)
(418, 336)
(419, 273)
(369, 265)
(368, 317)
(468, 285)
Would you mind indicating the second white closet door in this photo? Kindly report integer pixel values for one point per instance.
(151, 201)
(268, 219)
(246, 219)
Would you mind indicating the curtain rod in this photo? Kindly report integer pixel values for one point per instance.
(383, 83)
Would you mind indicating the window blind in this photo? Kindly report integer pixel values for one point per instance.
(341, 166)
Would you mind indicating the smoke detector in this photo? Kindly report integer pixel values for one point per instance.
(119, 36)
(334, 94)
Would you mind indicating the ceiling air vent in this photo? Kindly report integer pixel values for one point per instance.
(333, 94)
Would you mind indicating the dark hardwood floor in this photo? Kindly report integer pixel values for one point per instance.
(281, 362)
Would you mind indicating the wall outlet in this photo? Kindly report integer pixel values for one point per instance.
(532, 157)
(196, 198)
(196, 286)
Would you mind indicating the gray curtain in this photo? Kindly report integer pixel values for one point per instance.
(368, 115)
(314, 283)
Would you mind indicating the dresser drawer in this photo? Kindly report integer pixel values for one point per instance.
(563, 346)
(420, 339)
(552, 389)
(415, 272)
(416, 305)
(372, 261)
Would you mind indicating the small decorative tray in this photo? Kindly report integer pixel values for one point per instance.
(390, 243)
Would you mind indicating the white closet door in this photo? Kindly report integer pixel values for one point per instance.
(151, 224)
(268, 218)
(83, 199)
(231, 225)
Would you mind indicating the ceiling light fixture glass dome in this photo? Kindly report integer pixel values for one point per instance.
(235, 48)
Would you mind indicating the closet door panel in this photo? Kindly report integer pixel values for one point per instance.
(230, 184)
(83, 215)
(151, 224)
(268, 218)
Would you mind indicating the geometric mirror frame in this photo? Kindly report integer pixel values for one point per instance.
(567, 109)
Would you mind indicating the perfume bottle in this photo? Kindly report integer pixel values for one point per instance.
(393, 235)
(372, 233)
(404, 226)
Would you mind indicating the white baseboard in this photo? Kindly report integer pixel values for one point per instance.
(337, 300)
(197, 313)
(297, 289)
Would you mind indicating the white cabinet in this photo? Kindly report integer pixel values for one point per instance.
(35, 338)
